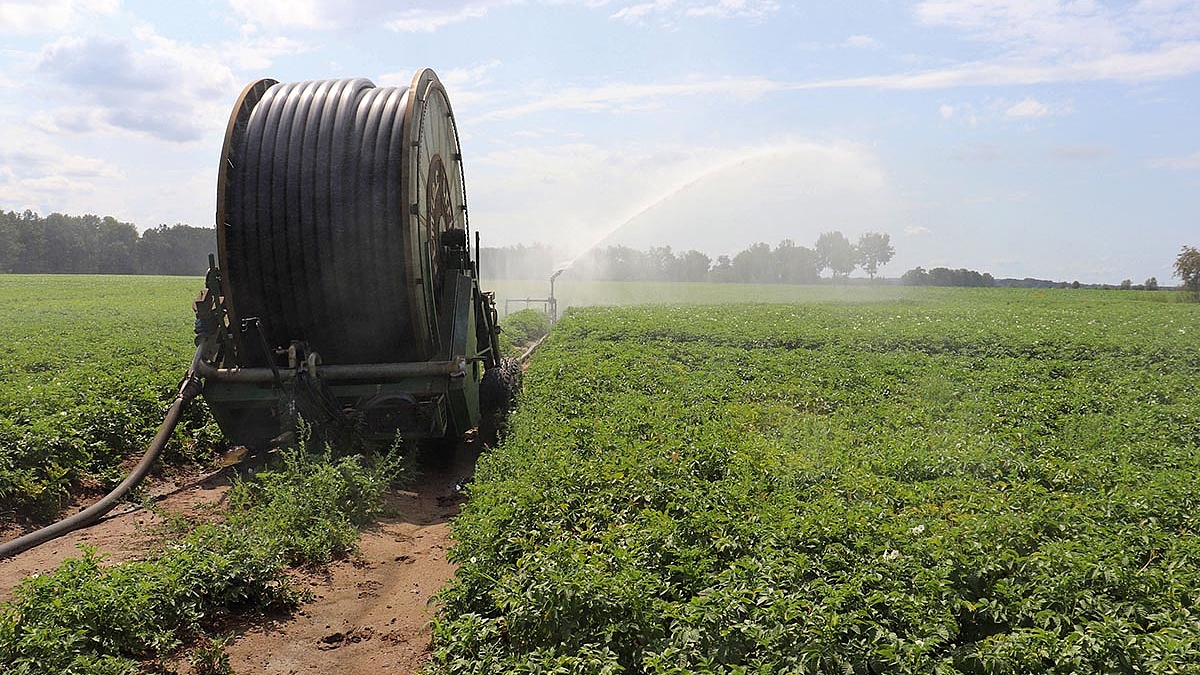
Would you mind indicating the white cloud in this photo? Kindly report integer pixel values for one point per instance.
(429, 20)
(425, 16)
(733, 9)
(1166, 19)
(34, 162)
(257, 52)
(322, 15)
(1045, 41)
(916, 230)
(35, 175)
(946, 111)
(624, 96)
(977, 152)
(863, 42)
(1032, 27)
(145, 85)
(31, 17)
(1080, 153)
(1168, 63)
(1031, 108)
(1028, 107)
(668, 10)
(1179, 163)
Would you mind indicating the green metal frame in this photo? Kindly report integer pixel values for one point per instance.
(441, 405)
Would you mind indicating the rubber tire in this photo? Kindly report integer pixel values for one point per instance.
(498, 393)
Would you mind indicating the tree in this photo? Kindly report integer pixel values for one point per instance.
(660, 263)
(1187, 268)
(722, 271)
(1126, 284)
(755, 265)
(836, 252)
(795, 264)
(1152, 284)
(917, 276)
(692, 266)
(874, 249)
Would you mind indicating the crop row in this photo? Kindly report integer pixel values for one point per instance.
(88, 365)
(972, 482)
(91, 617)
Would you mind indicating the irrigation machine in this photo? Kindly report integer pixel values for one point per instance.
(344, 290)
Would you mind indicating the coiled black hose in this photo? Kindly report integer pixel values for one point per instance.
(316, 232)
(188, 389)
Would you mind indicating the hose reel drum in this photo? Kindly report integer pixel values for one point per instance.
(342, 231)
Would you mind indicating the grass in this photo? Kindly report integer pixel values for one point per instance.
(986, 481)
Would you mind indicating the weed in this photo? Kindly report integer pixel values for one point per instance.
(210, 657)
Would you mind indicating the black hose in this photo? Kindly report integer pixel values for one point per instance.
(317, 231)
(188, 389)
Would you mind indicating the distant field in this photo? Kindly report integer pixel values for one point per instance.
(592, 293)
(941, 481)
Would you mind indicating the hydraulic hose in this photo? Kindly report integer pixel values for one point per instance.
(188, 389)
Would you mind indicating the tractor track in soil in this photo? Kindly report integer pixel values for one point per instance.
(368, 613)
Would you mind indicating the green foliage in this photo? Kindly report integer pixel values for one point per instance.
(311, 509)
(89, 618)
(210, 658)
(88, 244)
(1187, 268)
(521, 328)
(874, 249)
(836, 252)
(959, 481)
(88, 367)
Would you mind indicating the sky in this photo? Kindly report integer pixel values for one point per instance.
(1046, 138)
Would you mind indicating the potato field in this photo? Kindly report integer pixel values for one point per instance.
(87, 367)
(840, 480)
(992, 481)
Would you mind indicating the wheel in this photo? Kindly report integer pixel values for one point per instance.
(498, 394)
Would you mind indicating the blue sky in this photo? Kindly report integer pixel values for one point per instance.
(1037, 138)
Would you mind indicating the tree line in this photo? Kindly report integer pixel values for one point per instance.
(88, 244)
(787, 262)
(943, 276)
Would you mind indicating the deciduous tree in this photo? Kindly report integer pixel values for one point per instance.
(836, 252)
(1187, 268)
(874, 249)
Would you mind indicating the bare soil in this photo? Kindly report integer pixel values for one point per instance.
(368, 614)
(371, 613)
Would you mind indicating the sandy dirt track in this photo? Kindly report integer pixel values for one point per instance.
(368, 613)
